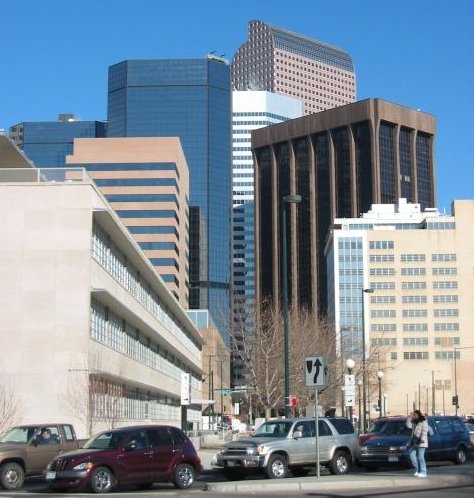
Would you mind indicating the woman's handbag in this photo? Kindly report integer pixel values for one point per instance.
(415, 440)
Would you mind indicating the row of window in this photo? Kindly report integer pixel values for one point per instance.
(413, 313)
(414, 327)
(377, 272)
(107, 254)
(423, 355)
(451, 284)
(438, 298)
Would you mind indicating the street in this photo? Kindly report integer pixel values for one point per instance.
(443, 478)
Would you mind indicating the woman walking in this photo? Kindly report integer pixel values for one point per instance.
(418, 441)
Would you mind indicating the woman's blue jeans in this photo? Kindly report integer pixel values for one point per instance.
(417, 457)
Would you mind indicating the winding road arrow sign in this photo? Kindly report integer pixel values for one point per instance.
(316, 371)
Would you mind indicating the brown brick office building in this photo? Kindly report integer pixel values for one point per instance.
(340, 161)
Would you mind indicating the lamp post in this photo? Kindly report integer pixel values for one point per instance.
(287, 199)
(350, 364)
(380, 377)
(364, 373)
(359, 383)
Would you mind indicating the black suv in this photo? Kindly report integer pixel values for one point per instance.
(387, 442)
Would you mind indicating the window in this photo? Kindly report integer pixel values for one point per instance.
(413, 271)
(445, 298)
(414, 299)
(382, 285)
(383, 313)
(383, 327)
(393, 355)
(447, 341)
(445, 285)
(445, 271)
(415, 355)
(447, 355)
(408, 258)
(381, 244)
(415, 341)
(382, 258)
(446, 312)
(382, 299)
(382, 272)
(414, 313)
(415, 327)
(446, 327)
(413, 285)
(384, 341)
(443, 257)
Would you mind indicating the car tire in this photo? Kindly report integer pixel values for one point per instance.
(12, 476)
(101, 480)
(235, 474)
(340, 463)
(461, 455)
(277, 467)
(183, 476)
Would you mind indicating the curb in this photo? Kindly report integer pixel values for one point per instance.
(311, 484)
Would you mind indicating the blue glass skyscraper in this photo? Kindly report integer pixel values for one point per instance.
(47, 143)
(190, 99)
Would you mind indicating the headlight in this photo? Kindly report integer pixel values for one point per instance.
(363, 449)
(83, 466)
(251, 451)
(397, 449)
(261, 450)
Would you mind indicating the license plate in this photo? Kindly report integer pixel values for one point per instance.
(50, 475)
(393, 459)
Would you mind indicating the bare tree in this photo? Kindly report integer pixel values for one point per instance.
(9, 408)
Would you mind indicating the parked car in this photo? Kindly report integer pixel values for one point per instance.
(470, 428)
(280, 445)
(448, 440)
(25, 450)
(138, 455)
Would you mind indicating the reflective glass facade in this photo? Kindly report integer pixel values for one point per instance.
(190, 99)
(48, 143)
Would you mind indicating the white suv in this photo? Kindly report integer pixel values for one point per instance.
(280, 445)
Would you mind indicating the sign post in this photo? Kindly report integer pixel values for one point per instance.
(316, 375)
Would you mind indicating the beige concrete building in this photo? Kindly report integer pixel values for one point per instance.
(146, 181)
(409, 272)
(90, 334)
(279, 61)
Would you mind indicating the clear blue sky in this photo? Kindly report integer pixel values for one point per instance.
(418, 53)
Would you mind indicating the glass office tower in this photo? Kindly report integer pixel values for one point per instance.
(47, 143)
(189, 99)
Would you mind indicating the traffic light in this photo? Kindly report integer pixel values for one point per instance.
(455, 400)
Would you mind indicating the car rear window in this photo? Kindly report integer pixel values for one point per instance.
(342, 425)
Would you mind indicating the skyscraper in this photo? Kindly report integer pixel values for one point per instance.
(340, 161)
(280, 61)
(145, 180)
(189, 99)
(250, 110)
(47, 143)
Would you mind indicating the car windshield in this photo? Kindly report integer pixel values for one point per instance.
(105, 440)
(18, 435)
(273, 429)
(393, 428)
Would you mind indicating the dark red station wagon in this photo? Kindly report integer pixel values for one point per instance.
(138, 455)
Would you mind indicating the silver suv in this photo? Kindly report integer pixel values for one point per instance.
(290, 444)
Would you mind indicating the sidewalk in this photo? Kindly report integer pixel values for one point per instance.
(438, 477)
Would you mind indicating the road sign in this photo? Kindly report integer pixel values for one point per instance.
(349, 399)
(185, 388)
(315, 369)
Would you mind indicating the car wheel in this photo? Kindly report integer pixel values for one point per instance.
(12, 476)
(340, 463)
(277, 467)
(461, 455)
(235, 474)
(183, 476)
(101, 480)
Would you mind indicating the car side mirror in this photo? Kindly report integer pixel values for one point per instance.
(297, 434)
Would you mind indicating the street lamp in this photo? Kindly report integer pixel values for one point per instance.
(287, 199)
(380, 377)
(364, 373)
(350, 364)
(359, 383)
